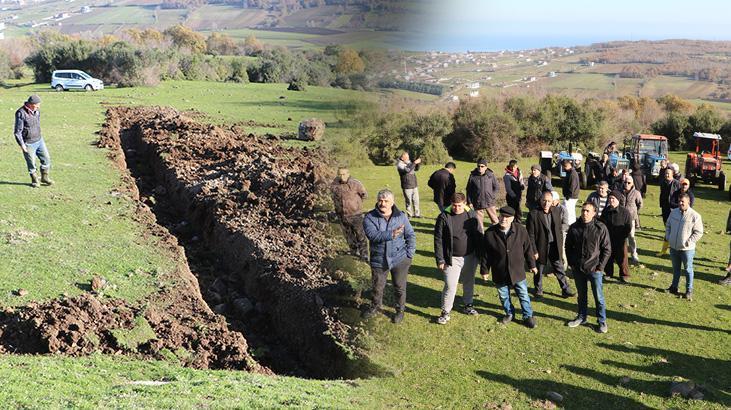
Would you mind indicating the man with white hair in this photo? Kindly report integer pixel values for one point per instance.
(392, 247)
(407, 173)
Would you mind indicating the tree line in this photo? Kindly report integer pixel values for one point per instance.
(498, 129)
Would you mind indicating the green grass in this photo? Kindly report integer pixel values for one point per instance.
(75, 233)
(653, 337)
(99, 381)
(117, 15)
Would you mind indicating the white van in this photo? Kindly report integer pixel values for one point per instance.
(63, 80)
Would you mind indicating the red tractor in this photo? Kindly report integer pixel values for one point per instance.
(705, 163)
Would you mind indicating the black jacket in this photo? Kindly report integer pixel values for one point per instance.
(513, 187)
(407, 173)
(482, 189)
(538, 232)
(587, 246)
(536, 187)
(667, 189)
(675, 198)
(443, 235)
(640, 181)
(619, 224)
(507, 258)
(571, 185)
(443, 184)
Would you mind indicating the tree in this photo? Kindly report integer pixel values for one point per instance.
(349, 62)
(674, 127)
(673, 103)
(252, 46)
(221, 45)
(481, 130)
(183, 37)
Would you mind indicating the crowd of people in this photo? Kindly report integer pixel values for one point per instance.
(550, 239)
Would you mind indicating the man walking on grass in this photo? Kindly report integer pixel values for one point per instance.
(392, 246)
(28, 135)
(507, 250)
(683, 229)
(571, 189)
(588, 249)
(457, 238)
(619, 225)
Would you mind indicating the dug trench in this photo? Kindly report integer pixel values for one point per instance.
(255, 288)
(248, 213)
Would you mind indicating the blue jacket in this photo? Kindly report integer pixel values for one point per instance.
(385, 251)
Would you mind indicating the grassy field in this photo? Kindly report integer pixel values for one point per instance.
(475, 362)
(54, 239)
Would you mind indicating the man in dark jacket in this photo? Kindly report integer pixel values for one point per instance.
(443, 184)
(482, 189)
(457, 239)
(27, 133)
(668, 186)
(392, 246)
(507, 249)
(619, 224)
(571, 187)
(639, 179)
(538, 184)
(348, 195)
(409, 185)
(546, 234)
(588, 250)
(513, 181)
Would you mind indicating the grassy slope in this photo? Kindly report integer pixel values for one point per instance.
(473, 362)
(76, 229)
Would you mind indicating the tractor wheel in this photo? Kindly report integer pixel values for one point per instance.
(693, 180)
(722, 182)
(548, 174)
(688, 168)
(583, 183)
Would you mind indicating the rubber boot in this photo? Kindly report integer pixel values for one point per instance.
(44, 177)
(664, 250)
(34, 180)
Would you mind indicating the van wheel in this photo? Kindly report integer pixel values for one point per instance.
(88, 87)
(59, 87)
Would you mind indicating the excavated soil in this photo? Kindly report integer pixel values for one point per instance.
(247, 212)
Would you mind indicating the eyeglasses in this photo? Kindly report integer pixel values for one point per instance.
(482, 166)
(685, 184)
(628, 183)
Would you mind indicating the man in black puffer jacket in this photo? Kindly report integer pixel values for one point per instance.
(443, 184)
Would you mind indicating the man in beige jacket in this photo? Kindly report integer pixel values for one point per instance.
(683, 229)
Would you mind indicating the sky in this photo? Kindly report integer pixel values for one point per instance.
(489, 25)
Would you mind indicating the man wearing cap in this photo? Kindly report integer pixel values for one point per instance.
(537, 185)
(28, 135)
(588, 250)
(507, 250)
(545, 232)
(482, 189)
(619, 224)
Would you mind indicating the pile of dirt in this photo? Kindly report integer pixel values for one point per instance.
(256, 206)
(86, 324)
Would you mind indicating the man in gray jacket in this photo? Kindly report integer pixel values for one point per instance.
(27, 133)
(683, 229)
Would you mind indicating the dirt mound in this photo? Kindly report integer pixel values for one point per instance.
(256, 206)
(86, 324)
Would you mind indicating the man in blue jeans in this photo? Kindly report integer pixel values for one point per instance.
(683, 229)
(507, 250)
(588, 250)
(27, 133)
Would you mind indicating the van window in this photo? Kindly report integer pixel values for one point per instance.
(76, 76)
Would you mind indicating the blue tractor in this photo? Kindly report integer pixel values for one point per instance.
(551, 164)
